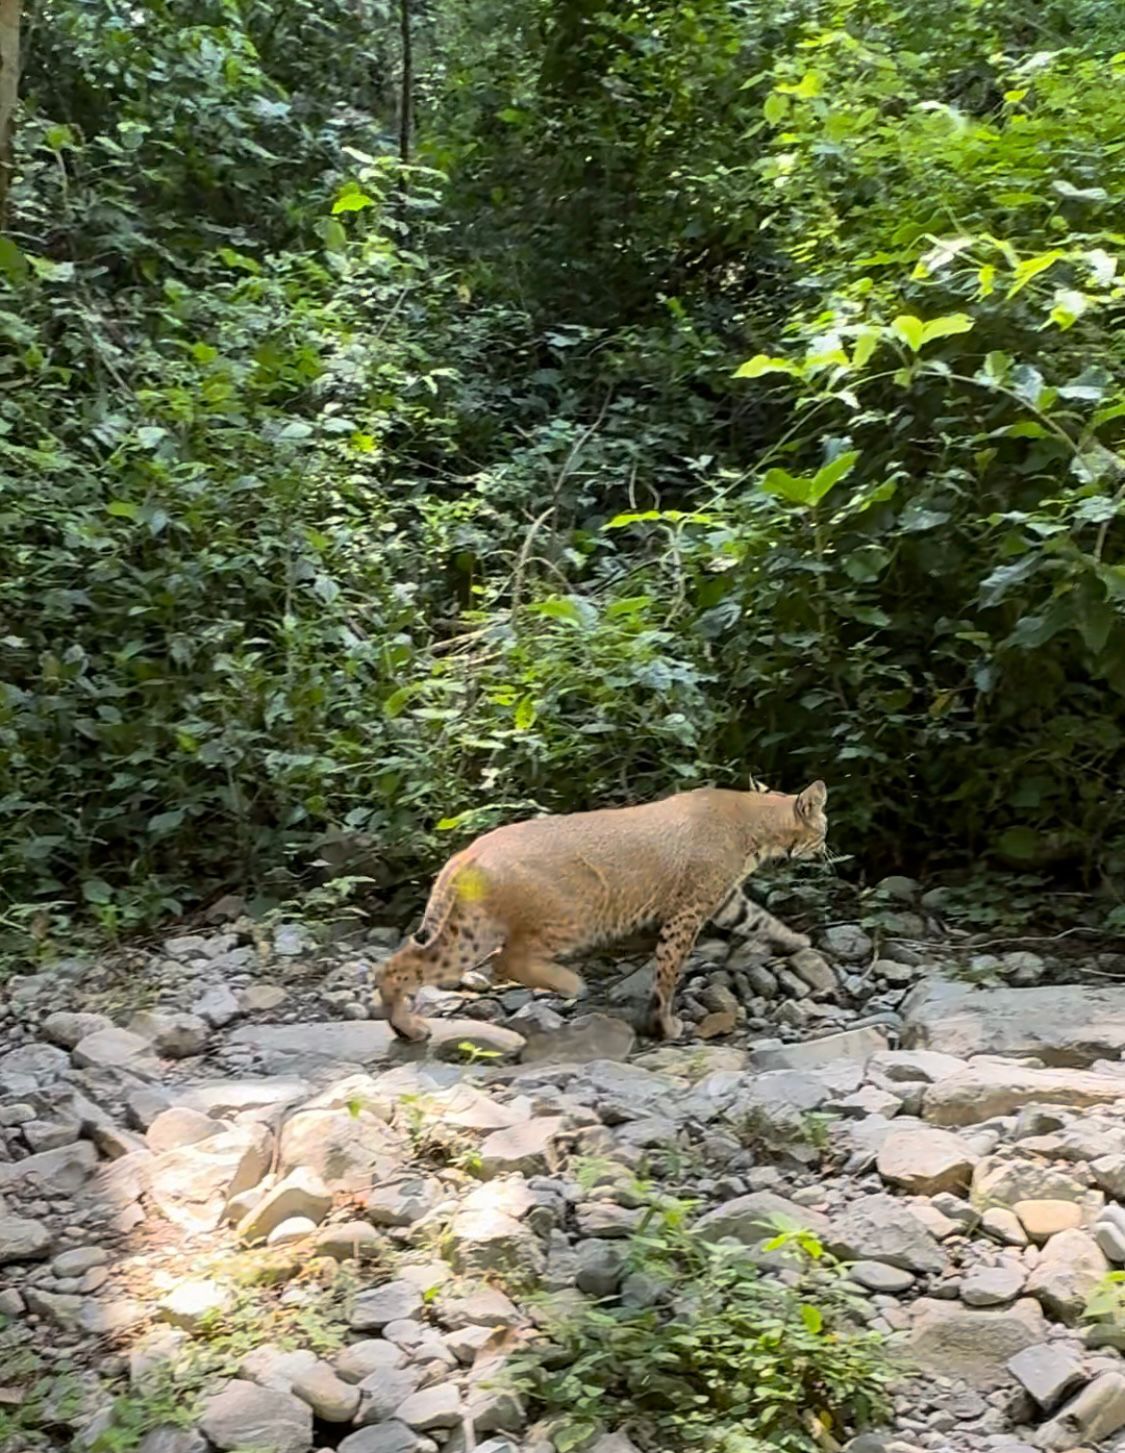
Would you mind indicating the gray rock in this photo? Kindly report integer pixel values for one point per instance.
(1048, 1371)
(363, 1359)
(856, 1045)
(989, 1089)
(244, 1415)
(590, 1037)
(1006, 1179)
(300, 1193)
(348, 1240)
(276, 1367)
(1109, 1172)
(1070, 1266)
(392, 1302)
(174, 1036)
(365, 1042)
(386, 1389)
(1064, 1025)
(217, 1006)
(54, 1172)
(111, 1047)
(66, 1028)
(992, 1286)
(949, 1340)
(528, 1149)
(392, 1437)
(327, 1394)
(877, 1276)
(847, 942)
(179, 1126)
(261, 998)
(484, 1241)
(758, 1217)
(22, 1239)
(815, 970)
(30, 1068)
(167, 1438)
(347, 1150)
(483, 1307)
(191, 1186)
(190, 1303)
(924, 1161)
(599, 1267)
(244, 1099)
(1004, 1225)
(912, 1065)
(432, 1407)
(401, 1203)
(879, 1228)
(1087, 1420)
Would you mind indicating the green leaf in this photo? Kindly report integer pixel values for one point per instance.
(911, 330)
(12, 261)
(776, 108)
(123, 509)
(946, 327)
(525, 714)
(812, 1317)
(353, 199)
(96, 890)
(762, 363)
(832, 473)
(398, 700)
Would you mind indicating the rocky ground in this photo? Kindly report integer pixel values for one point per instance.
(236, 1214)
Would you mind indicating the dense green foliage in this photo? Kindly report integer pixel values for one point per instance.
(721, 387)
(723, 1358)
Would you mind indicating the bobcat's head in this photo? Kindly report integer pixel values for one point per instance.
(812, 821)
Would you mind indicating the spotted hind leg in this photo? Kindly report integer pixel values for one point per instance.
(523, 964)
(677, 935)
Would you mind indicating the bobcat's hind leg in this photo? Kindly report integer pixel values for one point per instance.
(521, 964)
(741, 915)
(677, 935)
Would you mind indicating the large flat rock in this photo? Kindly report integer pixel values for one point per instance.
(1068, 1025)
(364, 1042)
(995, 1087)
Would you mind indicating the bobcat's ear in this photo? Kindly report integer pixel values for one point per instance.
(812, 799)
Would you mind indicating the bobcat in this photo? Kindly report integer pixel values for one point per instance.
(526, 892)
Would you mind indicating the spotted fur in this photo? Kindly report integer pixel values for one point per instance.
(520, 896)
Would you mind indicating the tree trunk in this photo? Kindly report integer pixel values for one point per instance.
(9, 94)
(406, 95)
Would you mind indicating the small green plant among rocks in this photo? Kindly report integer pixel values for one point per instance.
(732, 1357)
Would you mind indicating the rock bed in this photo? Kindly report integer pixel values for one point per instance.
(218, 1125)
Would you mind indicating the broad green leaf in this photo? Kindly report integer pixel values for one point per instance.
(123, 509)
(775, 108)
(12, 261)
(946, 327)
(783, 485)
(763, 363)
(812, 1317)
(911, 330)
(832, 473)
(1031, 267)
(352, 200)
